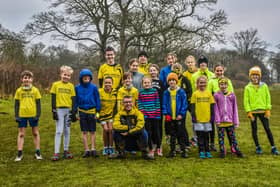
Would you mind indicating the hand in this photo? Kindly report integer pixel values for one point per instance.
(97, 115)
(124, 133)
(18, 119)
(36, 119)
(168, 118)
(267, 114)
(218, 124)
(72, 116)
(194, 119)
(250, 115)
(179, 117)
(55, 116)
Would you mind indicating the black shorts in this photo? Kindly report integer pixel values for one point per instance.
(87, 122)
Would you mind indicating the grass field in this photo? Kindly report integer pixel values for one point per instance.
(252, 170)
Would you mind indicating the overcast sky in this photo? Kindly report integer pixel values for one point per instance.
(242, 14)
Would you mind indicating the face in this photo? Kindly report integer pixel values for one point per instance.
(127, 102)
(219, 71)
(170, 59)
(143, 59)
(65, 76)
(223, 87)
(110, 57)
(147, 83)
(203, 66)
(255, 79)
(108, 83)
(177, 71)
(172, 83)
(26, 80)
(134, 67)
(128, 81)
(190, 63)
(201, 84)
(86, 79)
(153, 72)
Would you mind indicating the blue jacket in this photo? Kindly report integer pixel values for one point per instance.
(181, 103)
(163, 75)
(87, 95)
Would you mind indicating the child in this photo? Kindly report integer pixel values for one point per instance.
(27, 110)
(136, 76)
(226, 117)
(174, 108)
(257, 103)
(143, 63)
(88, 105)
(202, 103)
(110, 68)
(63, 100)
(149, 105)
(108, 97)
(171, 58)
(127, 90)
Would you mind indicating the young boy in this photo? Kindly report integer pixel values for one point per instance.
(174, 108)
(27, 110)
(257, 104)
(88, 104)
(63, 99)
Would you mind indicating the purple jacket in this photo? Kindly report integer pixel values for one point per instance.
(226, 108)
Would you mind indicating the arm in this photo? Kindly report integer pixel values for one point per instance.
(117, 126)
(55, 117)
(17, 110)
(100, 83)
(235, 112)
(140, 123)
(38, 108)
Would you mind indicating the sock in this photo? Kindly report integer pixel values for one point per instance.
(19, 153)
(38, 151)
(273, 147)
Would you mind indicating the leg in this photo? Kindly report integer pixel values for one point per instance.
(265, 122)
(20, 139)
(254, 131)
(110, 133)
(59, 130)
(206, 141)
(36, 137)
(200, 140)
(172, 131)
(85, 141)
(105, 134)
(92, 138)
(221, 135)
(148, 127)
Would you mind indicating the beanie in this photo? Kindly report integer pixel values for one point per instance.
(143, 53)
(255, 70)
(172, 76)
(202, 59)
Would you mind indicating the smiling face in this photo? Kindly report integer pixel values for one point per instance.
(65, 76)
(255, 79)
(190, 62)
(108, 83)
(86, 79)
(134, 66)
(26, 80)
(128, 81)
(153, 72)
(147, 83)
(201, 83)
(223, 87)
(170, 59)
(143, 60)
(127, 102)
(172, 84)
(110, 57)
(203, 66)
(219, 71)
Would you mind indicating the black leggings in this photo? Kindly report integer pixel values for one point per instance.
(153, 127)
(203, 141)
(265, 123)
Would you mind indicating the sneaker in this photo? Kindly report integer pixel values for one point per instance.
(111, 151)
(19, 158)
(133, 153)
(232, 149)
(94, 153)
(193, 142)
(105, 151)
(274, 151)
(119, 155)
(86, 154)
(38, 156)
(184, 154)
(212, 147)
(151, 153)
(67, 155)
(259, 150)
(55, 157)
(159, 152)
(167, 139)
(239, 154)
(208, 155)
(222, 155)
(202, 155)
(147, 156)
(171, 154)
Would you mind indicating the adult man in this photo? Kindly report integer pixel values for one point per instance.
(129, 125)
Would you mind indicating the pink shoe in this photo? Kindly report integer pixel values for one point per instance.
(159, 152)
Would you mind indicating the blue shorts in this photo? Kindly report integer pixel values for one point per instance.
(87, 122)
(23, 122)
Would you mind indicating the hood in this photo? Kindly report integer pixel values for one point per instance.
(85, 72)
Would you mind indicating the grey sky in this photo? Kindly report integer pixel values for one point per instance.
(242, 14)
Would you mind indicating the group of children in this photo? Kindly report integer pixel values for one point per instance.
(163, 96)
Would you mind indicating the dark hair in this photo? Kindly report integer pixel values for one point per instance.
(26, 73)
(126, 75)
(217, 65)
(155, 66)
(109, 48)
(127, 97)
(143, 53)
(109, 77)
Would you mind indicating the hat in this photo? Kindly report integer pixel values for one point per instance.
(202, 59)
(223, 80)
(177, 68)
(143, 53)
(172, 76)
(255, 70)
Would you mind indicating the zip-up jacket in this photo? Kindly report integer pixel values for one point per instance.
(197, 74)
(213, 85)
(226, 108)
(163, 75)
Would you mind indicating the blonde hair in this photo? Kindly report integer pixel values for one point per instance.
(146, 77)
(190, 58)
(66, 69)
(201, 77)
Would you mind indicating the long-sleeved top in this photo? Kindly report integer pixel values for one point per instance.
(226, 110)
(163, 75)
(137, 80)
(257, 97)
(129, 121)
(149, 103)
(197, 74)
(213, 85)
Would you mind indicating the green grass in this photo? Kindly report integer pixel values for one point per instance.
(252, 170)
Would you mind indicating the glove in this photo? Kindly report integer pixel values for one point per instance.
(267, 114)
(97, 115)
(18, 119)
(73, 117)
(250, 115)
(168, 118)
(55, 117)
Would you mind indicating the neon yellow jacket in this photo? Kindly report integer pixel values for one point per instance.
(129, 121)
(213, 85)
(256, 97)
(197, 74)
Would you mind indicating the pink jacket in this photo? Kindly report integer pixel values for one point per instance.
(226, 108)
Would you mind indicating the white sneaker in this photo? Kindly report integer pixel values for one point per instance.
(38, 157)
(18, 158)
